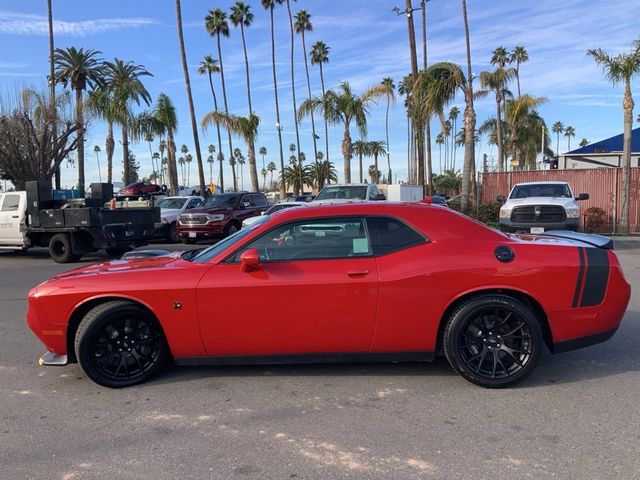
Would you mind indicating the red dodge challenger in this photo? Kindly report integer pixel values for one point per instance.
(366, 281)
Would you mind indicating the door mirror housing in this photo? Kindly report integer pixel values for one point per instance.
(501, 198)
(249, 260)
(583, 196)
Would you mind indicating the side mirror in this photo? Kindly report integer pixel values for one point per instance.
(583, 196)
(501, 198)
(249, 260)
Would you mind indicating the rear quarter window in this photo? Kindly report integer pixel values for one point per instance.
(389, 235)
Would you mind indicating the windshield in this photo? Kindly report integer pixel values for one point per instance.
(176, 203)
(221, 201)
(355, 192)
(556, 190)
(208, 253)
(280, 206)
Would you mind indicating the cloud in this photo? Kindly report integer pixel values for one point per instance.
(14, 23)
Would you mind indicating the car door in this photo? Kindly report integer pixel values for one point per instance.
(11, 217)
(315, 291)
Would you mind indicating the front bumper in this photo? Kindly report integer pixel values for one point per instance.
(506, 225)
(200, 232)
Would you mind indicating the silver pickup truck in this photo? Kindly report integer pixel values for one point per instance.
(536, 207)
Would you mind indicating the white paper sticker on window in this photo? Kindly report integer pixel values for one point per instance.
(360, 245)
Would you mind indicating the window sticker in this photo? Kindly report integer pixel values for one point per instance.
(360, 245)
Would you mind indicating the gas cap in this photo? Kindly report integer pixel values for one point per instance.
(504, 254)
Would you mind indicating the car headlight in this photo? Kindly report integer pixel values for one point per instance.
(505, 213)
(215, 218)
(572, 212)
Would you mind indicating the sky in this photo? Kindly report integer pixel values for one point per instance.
(368, 42)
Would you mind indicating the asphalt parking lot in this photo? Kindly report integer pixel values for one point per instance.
(577, 417)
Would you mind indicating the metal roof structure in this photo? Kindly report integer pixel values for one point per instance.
(609, 145)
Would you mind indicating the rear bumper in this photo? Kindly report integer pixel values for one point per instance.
(581, 342)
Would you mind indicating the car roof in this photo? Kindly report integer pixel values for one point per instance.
(542, 183)
(348, 208)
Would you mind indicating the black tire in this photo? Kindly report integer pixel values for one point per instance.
(231, 228)
(119, 344)
(60, 249)
(172, 234)
(116, 252)
(493, 341)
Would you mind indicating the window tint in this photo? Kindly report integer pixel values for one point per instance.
(390, 235)
(312, 239)
(259, 200)
(10, 203)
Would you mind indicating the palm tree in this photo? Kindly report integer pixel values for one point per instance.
(500, 57)
(155, 157)
(469, 124)
(319, 55)
(245, 127)
(453, 118)
(569, 132)
(496, 82)
(209, 65)
(361, 148)
(79, 69)
(519, 55)
(620, 69)
(162, 146)
(52, 80)
(525, 125)
(558, 128)
(210, 159)
(293, 76)
(270, 4)
(374, 173)
(216, 24)
(376, 148)
(165, 113)
(583, 143)
(404, 88)
(123, 80)
(237, 154)
(263, 152)
(188, 158)
(184, 150)
(271, 168)
(302, 25)
(192, 113)
(103, 104)
(388, 83)
(181, 162)
(342, 106)
(440, 141)
(297, 176)
(325, 171)
(263, 172)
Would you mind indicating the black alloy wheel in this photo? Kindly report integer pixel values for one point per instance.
(493, 341)
(119, 344)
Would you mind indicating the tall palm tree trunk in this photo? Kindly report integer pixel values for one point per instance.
(313, 123)
(326, 123)
(52, 85)
(499, 135)
(360, 157)
(109, 147)
(469, 122)
(293, 88)
(192, 113)
(215, 106)
(627, 106)
(386, 126)
(428, 125)
(125, 153)
(419, 135)
(347, 153)
(376, 176)
(80, 136)
(283, 189)
(172, 171)
(226, 110)
(253, 170)
(518, 76)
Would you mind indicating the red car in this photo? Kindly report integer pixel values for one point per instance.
(366, 281)
(139, 188)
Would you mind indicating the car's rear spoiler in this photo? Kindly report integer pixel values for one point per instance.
(592, 239)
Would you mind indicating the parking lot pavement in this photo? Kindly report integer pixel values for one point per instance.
(577, 417)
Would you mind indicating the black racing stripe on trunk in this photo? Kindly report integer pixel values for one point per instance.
(576, 295)
(595, 284)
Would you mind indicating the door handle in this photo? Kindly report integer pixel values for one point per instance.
(15, 216)
(357, 273)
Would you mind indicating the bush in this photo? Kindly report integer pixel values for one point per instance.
(596, 220)
(489, 213)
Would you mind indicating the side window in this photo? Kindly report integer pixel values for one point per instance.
(10, 203)
(390, 235)
(246, 201)
(320, 238)
(194, 202)
(259, 201)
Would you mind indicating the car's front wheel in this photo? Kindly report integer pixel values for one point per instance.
(119, 344)
(493, 340)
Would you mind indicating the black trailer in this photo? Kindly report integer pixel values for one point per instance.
(76, 227)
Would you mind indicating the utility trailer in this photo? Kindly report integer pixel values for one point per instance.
(74, 227)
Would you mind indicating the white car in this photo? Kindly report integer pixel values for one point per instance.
(274, 208)
(350, 192)
(170, 210)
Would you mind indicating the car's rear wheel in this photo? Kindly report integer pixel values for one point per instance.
(61, 250)
(493, 340)
(119, 344)
(231, 228)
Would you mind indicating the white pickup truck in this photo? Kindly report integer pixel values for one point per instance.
(536, 207)
(71, 228)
